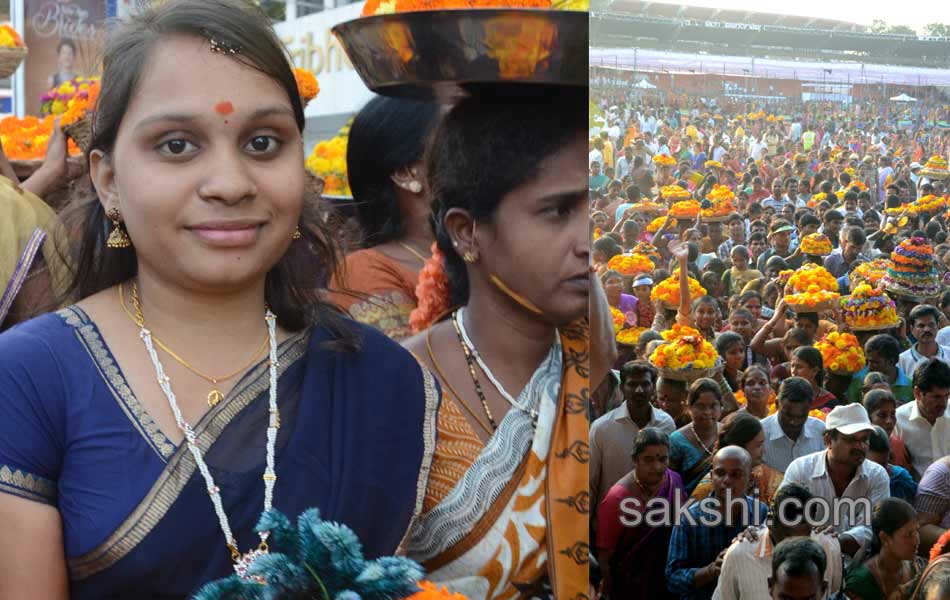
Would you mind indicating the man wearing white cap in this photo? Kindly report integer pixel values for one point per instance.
(849, 485)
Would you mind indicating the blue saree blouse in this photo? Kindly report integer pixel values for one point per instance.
(356, 441)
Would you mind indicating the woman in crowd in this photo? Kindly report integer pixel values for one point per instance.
(756, 392)
(731, 349)
(893, 563)
(625, 303)
(691, 446)
(138, 474)
(745, 430)
(633, 559)
(807, 363)
(510, 284)
(377, 285)
(882, 410)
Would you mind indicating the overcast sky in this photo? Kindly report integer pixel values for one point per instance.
(913, 13)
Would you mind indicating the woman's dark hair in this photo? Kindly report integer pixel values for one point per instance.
(386, 135)
(889, 515)
(746, 296)
(608, 274)
(875, 399)
(885, 345)
(700, 387)
(608, 246)
(649, 436)
(290, 288)
(488, 145)
(727, 340)
(879, 440)
(754, 368)
(738, 429)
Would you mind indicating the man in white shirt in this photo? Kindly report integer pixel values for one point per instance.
(747, 564)
(924, 425)
(923, 321)
(790, 433)
(624, 163)
(612, 435)
(841, 476)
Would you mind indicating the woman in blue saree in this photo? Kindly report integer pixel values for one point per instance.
(108, 419)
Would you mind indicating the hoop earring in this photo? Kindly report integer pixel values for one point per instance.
(118, 238)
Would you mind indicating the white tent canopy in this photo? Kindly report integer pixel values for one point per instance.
(903, 98)
(643, 84)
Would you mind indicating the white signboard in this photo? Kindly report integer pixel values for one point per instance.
(314, 47)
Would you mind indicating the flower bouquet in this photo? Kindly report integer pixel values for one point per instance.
(686, 356)
(664, 160)
(307, 85)
(328, 162)
(718, 204)
(12, 50)
(935, 168)
(629, 265)
(618, 318)
(656, 223)
(870, 272)
(649, 250)
(26, 139)
(686, 209)
(930, 204)
(869, 309)
(841, 353)
(713, 164)
(649, 207)
(56, 101)
(811, 289)
(817, 199)
(629, 336)
(675, 193)
(816, 244)
(321, 559)
(80, 110)
(668, 291)
(784, 276)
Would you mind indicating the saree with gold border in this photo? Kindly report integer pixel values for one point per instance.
(356, 440)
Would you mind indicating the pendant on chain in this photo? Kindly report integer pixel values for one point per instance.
(215, 396)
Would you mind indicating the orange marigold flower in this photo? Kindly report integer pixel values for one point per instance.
(307, 84)
(430, 591)
(432, 292)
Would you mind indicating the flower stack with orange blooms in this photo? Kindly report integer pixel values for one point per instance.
(9, 38)
(811, 289)
(81, 105)
(56, 101)
(28, 138)
(664, 160)
(598, 232)
(871, 273)
(649, 250)
(685, 350)
(629, 265)
(784, 276)
(942, 543)
(713, 164)
(432, 292)
(841, 353)
(869, 309)
(650, 207)
(912, 271)
(817, 199)
(307, 85)
(686, 209)
(328, 161)
(654, 225)
(618, 318)
(383, 7)
(675, 193)
(668, 290)
(719, 204)
(430, 591)
(816, 244)
(935, 168)
(929, 204)
(630, 335)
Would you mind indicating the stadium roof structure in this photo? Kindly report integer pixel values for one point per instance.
(636, 23)
(702, 13)
(649, 60)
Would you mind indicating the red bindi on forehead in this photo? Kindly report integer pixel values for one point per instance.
(224, 108)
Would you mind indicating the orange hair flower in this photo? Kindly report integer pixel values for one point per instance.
(307, 84)
(432, 292)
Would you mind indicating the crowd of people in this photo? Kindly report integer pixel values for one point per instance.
(804, 248)
(423, 385)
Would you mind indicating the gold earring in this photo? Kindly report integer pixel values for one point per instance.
(296, 235)
(470, 257)
(118, 238)
(415, 187)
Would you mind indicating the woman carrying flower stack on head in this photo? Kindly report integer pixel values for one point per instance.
(504, 328)
(377, 285)
(191, 386)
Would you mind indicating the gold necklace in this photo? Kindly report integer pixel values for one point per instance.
(414, 252)
(215, 395)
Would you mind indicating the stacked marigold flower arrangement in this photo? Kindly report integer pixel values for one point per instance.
(719, 204)
(686, 355)
(686, 209)
(664, 160)
(869, 309)
(668, 291)
(629, 265)
(12, 50)
(812, 288)
(841, 353)
(675, 193)
(816, 244)
(654, 225)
